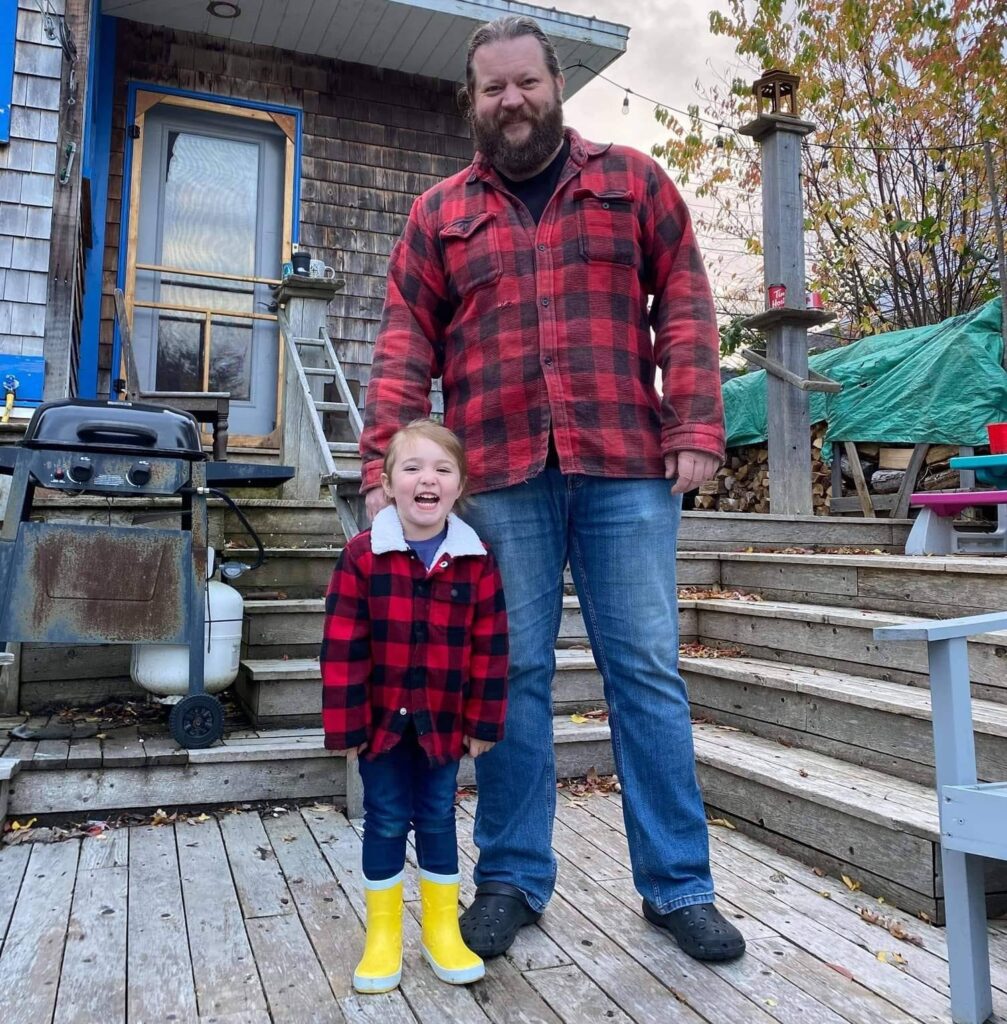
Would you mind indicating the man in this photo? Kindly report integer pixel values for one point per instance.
(524, 282)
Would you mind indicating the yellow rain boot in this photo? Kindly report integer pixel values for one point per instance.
(380, 967)
(443, 947)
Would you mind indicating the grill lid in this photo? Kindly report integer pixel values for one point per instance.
(74, 424)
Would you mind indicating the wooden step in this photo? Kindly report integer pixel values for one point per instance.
(293, 627)
(841, 639)
(919, 586)
(879, 831)
(880, 725)
(287, 692)
(743, 531)
(249, 765)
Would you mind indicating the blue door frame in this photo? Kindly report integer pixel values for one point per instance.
(97, 152)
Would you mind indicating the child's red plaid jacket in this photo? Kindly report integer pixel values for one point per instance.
(403, 643)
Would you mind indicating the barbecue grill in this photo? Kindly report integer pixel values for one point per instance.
(67, 583)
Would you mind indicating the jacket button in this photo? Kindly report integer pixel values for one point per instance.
(541, 247)
(454, 591)
(444, 565)
(403, 711)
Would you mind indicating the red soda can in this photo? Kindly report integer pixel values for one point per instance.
(815, 300)
(777, 296)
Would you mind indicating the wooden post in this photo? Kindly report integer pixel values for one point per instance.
(786, 327)
(305, 301)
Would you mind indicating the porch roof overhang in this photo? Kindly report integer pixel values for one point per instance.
(420, 37)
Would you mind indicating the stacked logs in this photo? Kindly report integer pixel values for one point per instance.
(742, 483)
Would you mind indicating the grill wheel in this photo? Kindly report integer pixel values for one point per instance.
(197, 721)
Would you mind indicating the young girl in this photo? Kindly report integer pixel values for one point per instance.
(414, 671)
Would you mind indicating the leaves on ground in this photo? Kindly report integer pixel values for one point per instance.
(722, 823)
(886, 956)
(844, 971)
(590, 784)
(850, 883)
(896, 928)
(703, 651)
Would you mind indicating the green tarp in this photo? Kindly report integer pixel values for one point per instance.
(939, 384)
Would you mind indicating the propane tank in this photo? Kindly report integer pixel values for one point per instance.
(163, 669)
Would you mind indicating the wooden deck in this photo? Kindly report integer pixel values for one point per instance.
(256, 918)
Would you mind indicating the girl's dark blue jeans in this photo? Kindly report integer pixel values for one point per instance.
(402, 790)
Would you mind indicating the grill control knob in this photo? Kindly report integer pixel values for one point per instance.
(81, 469)
(139, 474)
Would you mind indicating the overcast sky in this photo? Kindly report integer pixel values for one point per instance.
(670, 48)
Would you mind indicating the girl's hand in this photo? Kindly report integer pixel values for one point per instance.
(476, 747)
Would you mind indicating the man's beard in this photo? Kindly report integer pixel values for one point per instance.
(515, 159)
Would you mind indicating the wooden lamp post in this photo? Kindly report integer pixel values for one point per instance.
(779, 131)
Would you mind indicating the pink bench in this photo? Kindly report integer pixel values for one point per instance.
(933, 532)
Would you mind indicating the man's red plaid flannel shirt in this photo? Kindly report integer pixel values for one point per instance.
(402, 643)
(531, 327)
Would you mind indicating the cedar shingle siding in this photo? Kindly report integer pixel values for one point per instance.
(373, 140)
(27, 184)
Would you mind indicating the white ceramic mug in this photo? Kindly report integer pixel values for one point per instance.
(319, 269)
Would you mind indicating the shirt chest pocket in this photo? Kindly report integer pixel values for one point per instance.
(451, 608)
(471, 252)
(608, 226)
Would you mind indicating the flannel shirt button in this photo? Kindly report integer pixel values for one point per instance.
(444, 565)
(545, 302)
(604, 206)
(402, 711)
(547, 360)
(541, 247)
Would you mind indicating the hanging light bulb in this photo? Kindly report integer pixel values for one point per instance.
(625, 103)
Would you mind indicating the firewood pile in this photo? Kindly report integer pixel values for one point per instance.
(742, 483)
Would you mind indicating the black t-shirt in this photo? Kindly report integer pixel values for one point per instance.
(536, 191)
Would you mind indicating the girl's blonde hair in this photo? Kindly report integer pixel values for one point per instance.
(432, 431)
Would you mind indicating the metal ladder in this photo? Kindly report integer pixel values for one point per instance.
(343, 485)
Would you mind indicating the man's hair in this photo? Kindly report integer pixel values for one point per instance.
(511, 26)
(432, 431)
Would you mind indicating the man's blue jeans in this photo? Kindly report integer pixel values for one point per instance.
(619, 537)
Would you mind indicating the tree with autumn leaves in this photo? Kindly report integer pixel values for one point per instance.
(899, 227)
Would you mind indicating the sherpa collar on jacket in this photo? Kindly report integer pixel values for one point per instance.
(387, 535)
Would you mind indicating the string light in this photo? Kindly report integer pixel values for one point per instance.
(959, 147)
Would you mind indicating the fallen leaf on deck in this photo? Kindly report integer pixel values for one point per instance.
(819, 871)
(844, 971)
(578, 719)
(825, 894)
(850, 883)
(895, 959)
(722, 822)
(16, 826)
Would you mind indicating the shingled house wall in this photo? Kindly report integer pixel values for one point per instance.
(372, 141)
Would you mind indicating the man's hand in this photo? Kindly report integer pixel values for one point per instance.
(355, 751)
(476, 747)
(690, 468)
(374, 501)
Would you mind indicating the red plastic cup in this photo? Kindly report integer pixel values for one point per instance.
(998, 438)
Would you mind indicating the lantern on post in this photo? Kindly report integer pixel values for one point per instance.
(776, 93)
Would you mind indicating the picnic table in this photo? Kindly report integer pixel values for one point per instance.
(934, 532)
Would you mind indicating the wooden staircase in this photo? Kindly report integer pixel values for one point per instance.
(809, 735)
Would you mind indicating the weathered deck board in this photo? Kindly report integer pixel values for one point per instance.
(158, 960)
(33, 948)
(95, 943)
(258, 920)
(223, 967)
